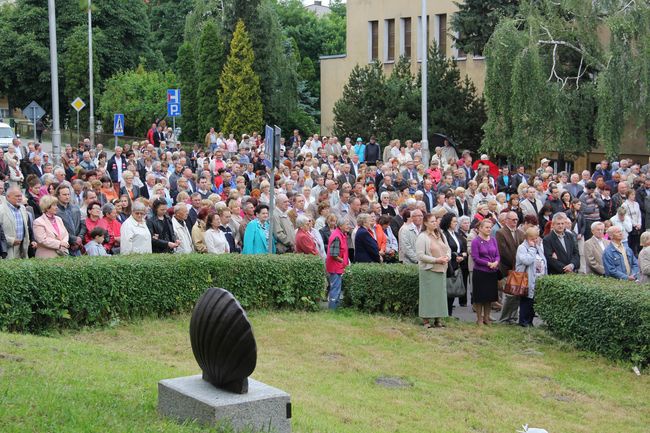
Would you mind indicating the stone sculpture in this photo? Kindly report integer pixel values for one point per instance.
(222, 341)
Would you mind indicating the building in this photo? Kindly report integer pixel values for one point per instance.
(386, 29)
(318, 8)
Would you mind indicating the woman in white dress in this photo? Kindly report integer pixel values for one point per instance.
(215, 239)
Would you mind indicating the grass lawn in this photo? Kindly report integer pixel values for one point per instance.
(461, 379)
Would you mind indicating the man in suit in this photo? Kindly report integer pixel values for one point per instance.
(36, 167)
(508, 238)
(283, 230)
(520, 177)
(594, 249)
(429, 197)
(146, 190)
(15, 223)
(408, 234)
(462, 204)
(531, 205)
(410, 172)
(193, 214)
(346, 176)
(561, 247)
(467, 167)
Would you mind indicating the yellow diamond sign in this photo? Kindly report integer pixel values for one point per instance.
(78, 104)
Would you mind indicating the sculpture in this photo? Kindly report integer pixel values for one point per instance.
(222, 341)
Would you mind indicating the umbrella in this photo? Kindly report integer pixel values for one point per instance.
(438, 140)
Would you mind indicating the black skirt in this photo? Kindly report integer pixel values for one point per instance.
(484, 287)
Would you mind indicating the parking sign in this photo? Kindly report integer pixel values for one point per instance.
(173, 102)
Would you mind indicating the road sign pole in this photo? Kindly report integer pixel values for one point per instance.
(34, 119)
(78, 137)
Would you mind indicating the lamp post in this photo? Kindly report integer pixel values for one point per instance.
(54, 71)
(424, 43)
(90, 76)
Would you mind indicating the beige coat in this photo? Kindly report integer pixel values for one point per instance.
(285, 233)
(48, 241)
(8, 223)
(594, 257)
(428, 251)
(407, 239)
(644, 265)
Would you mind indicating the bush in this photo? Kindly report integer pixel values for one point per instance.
(382, 288)
(36, 295)
(603, 315)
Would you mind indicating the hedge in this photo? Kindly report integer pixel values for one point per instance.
(382, 288)
(36, 295)
(603, 315)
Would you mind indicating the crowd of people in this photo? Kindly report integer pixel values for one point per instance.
(464, 222)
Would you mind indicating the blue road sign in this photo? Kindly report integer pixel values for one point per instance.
(173, 102)
(118, 125)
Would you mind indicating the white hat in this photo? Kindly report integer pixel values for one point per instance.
(545, 160)
(485, 157)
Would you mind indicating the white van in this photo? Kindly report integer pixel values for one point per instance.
(6, 136)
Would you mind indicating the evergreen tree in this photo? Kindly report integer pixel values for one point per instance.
(240, 104)
(476, 20)
(167, 25)
(211, 56)
(186, 71)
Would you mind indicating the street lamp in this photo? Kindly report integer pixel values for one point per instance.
(90, 75)
(424, 43)
(54, 71)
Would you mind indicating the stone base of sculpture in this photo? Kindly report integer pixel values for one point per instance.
(189, 398)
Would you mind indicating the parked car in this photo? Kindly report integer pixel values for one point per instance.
(6, 136)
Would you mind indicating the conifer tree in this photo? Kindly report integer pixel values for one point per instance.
(186, 67)
(240, 103)
(210, 64)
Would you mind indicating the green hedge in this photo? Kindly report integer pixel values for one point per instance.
(36, 295)
(382, 288)
(603, 315)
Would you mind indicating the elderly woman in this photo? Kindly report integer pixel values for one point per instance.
(135, 236)
(49, 231)
(256, 235)
(215, 239)
(199, 229)
(644, 258)
(485, 255)
(110, 223)
(433, 255)
(129, 188)
(366, 248)
(93, 215)
(305, 243)
(530, 259)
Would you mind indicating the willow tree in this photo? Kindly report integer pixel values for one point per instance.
(566, 76)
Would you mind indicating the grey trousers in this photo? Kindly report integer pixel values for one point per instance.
(510, 309)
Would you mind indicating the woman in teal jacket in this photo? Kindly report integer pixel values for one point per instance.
(256, 236)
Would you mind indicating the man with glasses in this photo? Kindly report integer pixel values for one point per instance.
(508, 238)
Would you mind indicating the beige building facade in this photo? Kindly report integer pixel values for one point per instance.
(384, 30)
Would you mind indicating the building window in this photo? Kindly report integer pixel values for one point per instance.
(405, 44)
(458, 52)
(441, 33)
(389, 40)
(373, 40)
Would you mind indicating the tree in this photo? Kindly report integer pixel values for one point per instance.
(211, 57)
(140, 95)
(549, 74)
(167, 19)
(240, 103)
(476, 20)
(186, 71)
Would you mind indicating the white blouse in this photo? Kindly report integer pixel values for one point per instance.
(216, 242)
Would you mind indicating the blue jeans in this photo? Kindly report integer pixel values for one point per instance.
(336, 281)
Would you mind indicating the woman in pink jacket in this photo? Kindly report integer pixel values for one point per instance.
(49, 231)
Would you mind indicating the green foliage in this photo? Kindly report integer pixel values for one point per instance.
(69, 293)
(210, 63)
(167, 25)
(186, 71)
(603, 315)
(139, 95)
(240, 104)
(377, 288)
(476, 20)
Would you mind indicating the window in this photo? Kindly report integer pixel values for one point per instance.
(441, 33)
(389, 40)
(405, 46)
(373, 40)
(459, 53)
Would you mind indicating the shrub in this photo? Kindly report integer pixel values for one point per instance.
(382, 288)
(603, 315)
(36, 295)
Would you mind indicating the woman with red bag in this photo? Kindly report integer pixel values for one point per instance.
(530, 259)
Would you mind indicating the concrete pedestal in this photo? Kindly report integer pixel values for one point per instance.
(263, 408)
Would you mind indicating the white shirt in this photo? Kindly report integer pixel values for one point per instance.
(135, 237)
(216, 242)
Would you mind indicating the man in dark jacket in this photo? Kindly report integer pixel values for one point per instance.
(116, 165)
(373, 151)
(71, 216)
(561, 248)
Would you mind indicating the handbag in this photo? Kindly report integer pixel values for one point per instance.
(516, 284)
(455, 285)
